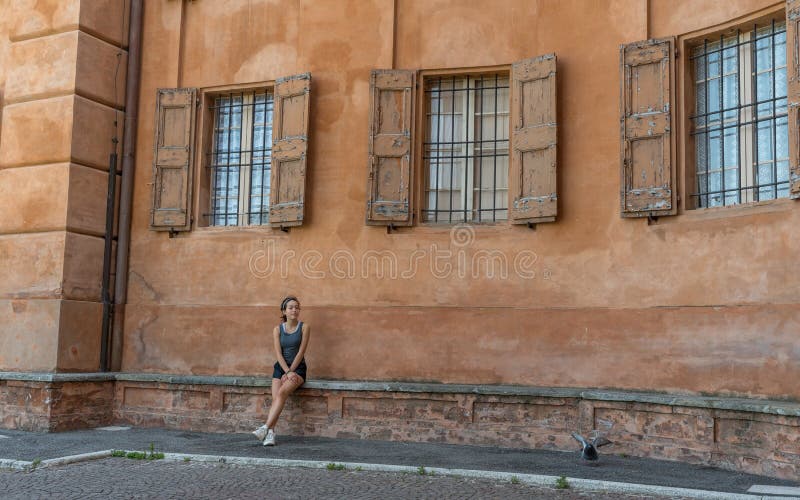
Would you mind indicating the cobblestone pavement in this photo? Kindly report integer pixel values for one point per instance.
(28, 446)
(124, 478)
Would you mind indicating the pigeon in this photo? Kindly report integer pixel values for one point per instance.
(589, 448)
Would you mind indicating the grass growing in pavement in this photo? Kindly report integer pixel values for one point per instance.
(335, 466)
(562, 483)
(422, 471)
(153, 455)
(139, 455)
(514, 480)
(35, 463)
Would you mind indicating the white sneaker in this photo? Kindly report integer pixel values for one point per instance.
(270, 439)
(261, 432)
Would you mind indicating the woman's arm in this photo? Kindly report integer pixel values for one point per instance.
(303, 346)
(276, 343)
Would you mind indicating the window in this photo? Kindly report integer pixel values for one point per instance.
(253, 152)
(241, 158)
(466, 155)
(476, 147)
(740, 123)
(737, 148)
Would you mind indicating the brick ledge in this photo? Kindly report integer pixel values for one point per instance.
(773, 407)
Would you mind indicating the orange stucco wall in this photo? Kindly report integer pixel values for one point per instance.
(702, 302)
(60, 94)
(698, 302)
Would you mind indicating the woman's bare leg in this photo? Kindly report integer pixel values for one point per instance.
(291, 385)
(277, 403)
(284, 390)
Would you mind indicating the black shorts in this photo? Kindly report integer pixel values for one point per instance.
(277, 370)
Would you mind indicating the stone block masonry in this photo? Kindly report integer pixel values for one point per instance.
(54, 406)
(62, 94)
(746, 435)
(753, 436)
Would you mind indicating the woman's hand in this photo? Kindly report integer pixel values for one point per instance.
(293, 377)
(285, 377)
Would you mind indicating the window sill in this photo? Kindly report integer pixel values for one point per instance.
(238, 229)
(447, 227)
(468, 223)
(744, 210)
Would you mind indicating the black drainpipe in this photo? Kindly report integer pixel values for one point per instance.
(114, 317)
(108, 310)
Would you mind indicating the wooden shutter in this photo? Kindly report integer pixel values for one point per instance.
(532, 174)
(172, 160)
(647, 143)
(390, 147)
(289, 150)
(793, 88)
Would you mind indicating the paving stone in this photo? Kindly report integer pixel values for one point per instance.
(125, 478)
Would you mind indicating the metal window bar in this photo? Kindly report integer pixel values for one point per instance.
(759, 168)
(496, 149)
(738, 115)
(722, 116)
(774, 112)
(479, 140)
(249, 191)
(494, 158)
(438, 132)
(754, 86)
(452, 150)
(261, 162)
(735, 108)
(240, 160)
(217, 175)
(231, 112)
(459, 155)
(705, 103)
(746, 42)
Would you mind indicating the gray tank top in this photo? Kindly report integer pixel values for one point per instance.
(290, 342)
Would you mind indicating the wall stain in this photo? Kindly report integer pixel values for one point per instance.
(146, 287)
(138, 336)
